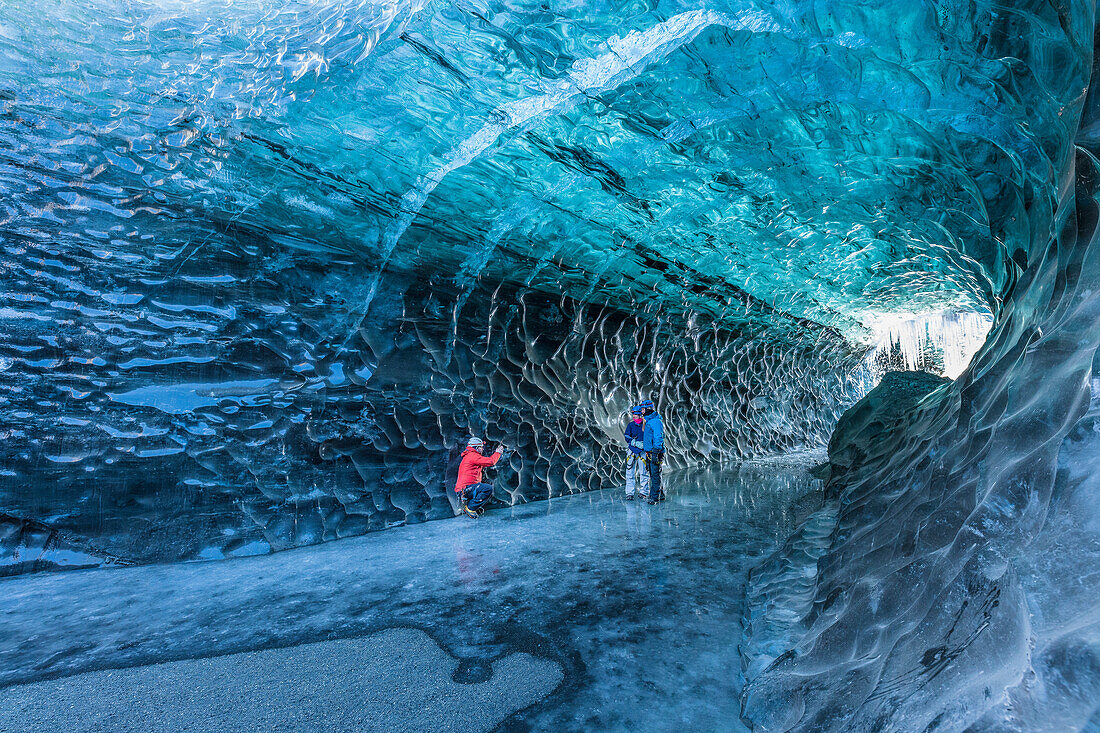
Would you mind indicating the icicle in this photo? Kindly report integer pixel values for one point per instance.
(942, 343)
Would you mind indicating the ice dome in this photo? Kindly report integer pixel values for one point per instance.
(267, 265)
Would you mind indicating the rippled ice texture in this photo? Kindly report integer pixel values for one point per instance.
(266, 264)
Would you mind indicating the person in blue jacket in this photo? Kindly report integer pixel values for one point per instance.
(635, 456)
(653, 442)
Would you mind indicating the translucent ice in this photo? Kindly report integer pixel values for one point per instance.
(265, 266)
(953, 581)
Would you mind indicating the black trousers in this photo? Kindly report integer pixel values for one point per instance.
(477, 496)
(654, 459)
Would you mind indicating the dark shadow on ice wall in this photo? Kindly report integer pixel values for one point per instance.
(245, 400)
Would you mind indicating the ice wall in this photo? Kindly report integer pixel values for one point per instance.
(265, 267)
(261, 434)
(950, 582)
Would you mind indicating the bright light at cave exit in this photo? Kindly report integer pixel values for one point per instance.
(958, 336)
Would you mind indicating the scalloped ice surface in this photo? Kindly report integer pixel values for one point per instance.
(266, 265)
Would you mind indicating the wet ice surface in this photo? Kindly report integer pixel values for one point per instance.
(636, 609)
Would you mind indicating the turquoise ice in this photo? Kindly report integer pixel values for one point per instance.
(265, 266)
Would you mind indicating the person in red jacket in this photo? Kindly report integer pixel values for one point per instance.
(473, 492)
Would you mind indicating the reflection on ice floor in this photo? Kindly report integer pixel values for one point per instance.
(639, 606)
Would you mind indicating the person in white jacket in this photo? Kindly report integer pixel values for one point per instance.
(635, 457)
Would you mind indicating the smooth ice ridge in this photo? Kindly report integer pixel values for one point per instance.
(949, 582)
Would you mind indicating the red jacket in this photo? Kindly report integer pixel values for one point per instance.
(469, 471)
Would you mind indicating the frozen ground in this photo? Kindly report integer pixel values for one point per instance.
(576, 613)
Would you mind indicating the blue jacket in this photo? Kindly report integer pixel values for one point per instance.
(653, 438)
(634, 433)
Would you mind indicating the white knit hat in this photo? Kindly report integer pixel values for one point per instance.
(475, 443)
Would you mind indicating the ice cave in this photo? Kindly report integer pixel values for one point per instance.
(266, 266)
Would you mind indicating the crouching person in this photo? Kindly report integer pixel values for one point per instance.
(475, 494)
(636, 470)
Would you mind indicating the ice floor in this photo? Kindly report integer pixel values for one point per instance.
(586, 612)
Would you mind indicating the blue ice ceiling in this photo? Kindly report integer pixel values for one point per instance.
(266, 264)
(812, 158)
